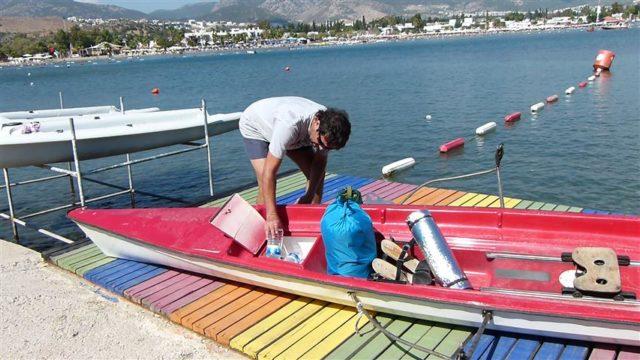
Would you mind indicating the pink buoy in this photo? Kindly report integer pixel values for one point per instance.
(552, 98)
(583, 84)
(513, 117)
(453, 144)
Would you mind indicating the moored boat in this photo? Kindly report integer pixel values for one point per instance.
(49, 141)
(512, 258)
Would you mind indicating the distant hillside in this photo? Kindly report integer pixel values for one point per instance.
(31, 25)
(64, 8)
(320, 10)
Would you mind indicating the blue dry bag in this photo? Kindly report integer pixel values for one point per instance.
(349, 241)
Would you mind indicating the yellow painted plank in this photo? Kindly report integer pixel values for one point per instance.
(466, 197)
(240, 341)
(488, 201)
(474, 200)
(336, 338)
(282, 328)
(509, 203)
(277, 349)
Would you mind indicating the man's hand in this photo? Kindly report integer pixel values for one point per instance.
(272, 225)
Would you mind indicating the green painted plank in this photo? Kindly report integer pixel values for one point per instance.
(524, 204)
(381, 342)
(412, 335)
(575, 209)
(57, 258)
(252, 191)
(561, 208)
(548, 207)
(356, 342)
(535, 206)
(80, 271)
(67, 261)
(452, 342)
(74, 267)
(430, 340)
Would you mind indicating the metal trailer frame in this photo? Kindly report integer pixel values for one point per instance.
(74, 172)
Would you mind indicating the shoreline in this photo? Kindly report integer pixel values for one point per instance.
(244, 49)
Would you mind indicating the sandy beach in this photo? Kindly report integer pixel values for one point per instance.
(48, 313)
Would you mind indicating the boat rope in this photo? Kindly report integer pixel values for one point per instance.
(487, 316)
(498, 158)
(446, 179)
(387, 333)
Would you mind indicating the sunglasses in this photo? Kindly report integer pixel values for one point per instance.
(322, 145)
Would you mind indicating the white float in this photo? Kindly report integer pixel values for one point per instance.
(537, 107)
(591, 78)
(570, 90)
(399, 165)
(486, 128)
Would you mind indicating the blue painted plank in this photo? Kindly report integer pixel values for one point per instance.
(124, 265)
(89, 274)
(105, 280)
(356, 185)
(130, 275)
(549, 351)
(486, 340)
(337, 182)
(574, 352)
(121, 288)
(595, 211)
(293, 195)
(524, 348)
(499, 349)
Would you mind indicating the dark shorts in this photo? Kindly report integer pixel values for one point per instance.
(258, 149)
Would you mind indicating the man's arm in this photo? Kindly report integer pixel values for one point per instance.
(269, 175)
(316, 178)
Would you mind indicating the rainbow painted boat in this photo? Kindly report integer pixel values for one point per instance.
(515, 260)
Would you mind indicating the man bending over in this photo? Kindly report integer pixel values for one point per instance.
(299, 128)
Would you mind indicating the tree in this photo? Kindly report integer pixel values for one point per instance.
(417, 22)
(265, 24)
(616, 8)
(192, 41)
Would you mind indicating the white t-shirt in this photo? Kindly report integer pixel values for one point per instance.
(283, 122)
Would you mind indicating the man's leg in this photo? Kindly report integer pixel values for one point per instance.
(257, 151)
(303, 158)
(258, 166)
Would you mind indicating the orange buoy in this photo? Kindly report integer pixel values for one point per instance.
(155, 91)
(604, 59)
(552, 98)
(453, 144)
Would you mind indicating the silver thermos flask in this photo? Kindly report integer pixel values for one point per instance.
(436, 251)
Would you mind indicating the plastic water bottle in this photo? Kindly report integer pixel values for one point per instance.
(274, 245)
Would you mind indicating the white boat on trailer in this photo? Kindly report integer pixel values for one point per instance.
(36, 114)
(13, 122)
(113, 135)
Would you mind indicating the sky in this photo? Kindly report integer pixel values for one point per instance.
(145, 5)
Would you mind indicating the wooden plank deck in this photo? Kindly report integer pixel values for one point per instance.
(265, 324)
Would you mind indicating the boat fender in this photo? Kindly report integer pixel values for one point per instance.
(552, 99)
(486, 128)
(397, 166)
(603, 60)
(513, 117)
(436, 251)
(537, 107)
(570, 90)
(582, 84)
(453, 144)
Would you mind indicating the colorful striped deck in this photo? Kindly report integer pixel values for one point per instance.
(265, 324)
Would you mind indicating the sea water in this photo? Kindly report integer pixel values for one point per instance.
(404, 100)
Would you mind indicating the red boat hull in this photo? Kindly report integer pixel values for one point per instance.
(475, 236)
